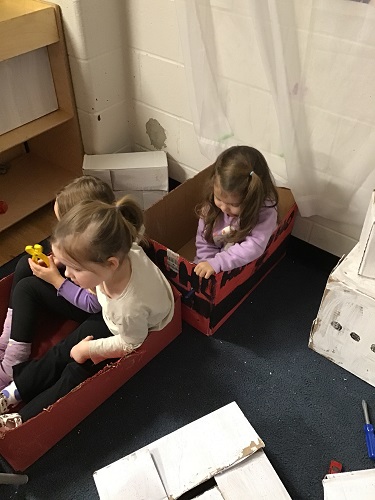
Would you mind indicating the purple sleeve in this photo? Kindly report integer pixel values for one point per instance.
(251, 248)
(79, 297)
(204, 250)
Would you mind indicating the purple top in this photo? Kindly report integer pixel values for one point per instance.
(223, 257)
(79, 297)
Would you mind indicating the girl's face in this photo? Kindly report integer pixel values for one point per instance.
(229, 203)
(81, 276)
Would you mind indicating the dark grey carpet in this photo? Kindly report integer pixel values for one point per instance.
(306, 409)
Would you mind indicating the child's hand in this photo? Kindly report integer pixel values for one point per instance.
(204, 270)
(81, 351)
(49, 274)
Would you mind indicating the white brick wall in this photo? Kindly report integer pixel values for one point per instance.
(96, 41)
(127, 69)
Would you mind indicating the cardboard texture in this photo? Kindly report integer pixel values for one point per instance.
(367, 242)
(355, 485)
(22, 446)
(172, 225)
(343, 331)
(221, 445)
(144, 175)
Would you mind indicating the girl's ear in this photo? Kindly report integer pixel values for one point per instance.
(113, 263)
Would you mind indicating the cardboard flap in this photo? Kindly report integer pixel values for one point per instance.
(286, 201)
(350, 485)
(367, 265)
(347, 272)
(173, 222)
(194, 453)
(139, 479)
(254, 477)
(367, 242)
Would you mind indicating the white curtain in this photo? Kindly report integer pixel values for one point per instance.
(295, 79)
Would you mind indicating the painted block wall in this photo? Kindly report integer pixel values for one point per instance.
(131, 93)
(96, 41)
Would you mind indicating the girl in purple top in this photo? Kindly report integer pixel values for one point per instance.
(34, 286)
(239, 213)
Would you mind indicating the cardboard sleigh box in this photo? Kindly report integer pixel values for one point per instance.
(171, 224)
(22, 446)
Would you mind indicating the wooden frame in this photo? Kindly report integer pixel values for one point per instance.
(45, 154)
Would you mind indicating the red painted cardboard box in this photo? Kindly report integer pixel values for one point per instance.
(22, 446)
(171, 225)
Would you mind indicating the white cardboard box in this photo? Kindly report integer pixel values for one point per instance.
(221, 444)
(343, 331)
(367, 242)
(142, 174)
(356, 485)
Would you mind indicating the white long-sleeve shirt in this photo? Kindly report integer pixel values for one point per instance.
(146, 304)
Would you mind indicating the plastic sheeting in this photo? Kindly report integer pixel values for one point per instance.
(307, 67)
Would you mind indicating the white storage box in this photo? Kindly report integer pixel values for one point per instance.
(355, 485)
(143, 175)
(221, 444)
(343, 331)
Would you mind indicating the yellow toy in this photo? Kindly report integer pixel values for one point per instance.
(36, 253)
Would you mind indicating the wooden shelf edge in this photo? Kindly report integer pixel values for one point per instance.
(30, 183)
(34, 128)
(30, 230)
(26, 26)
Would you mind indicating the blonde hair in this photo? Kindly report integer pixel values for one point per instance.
(86, 187)
(240, 170)
(94, 231)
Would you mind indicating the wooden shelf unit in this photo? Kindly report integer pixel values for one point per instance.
(46, 153)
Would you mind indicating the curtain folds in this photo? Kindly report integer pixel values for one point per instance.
(295, 79)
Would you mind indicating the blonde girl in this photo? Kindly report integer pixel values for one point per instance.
(35, 286)
(97, 245)
(238, 214)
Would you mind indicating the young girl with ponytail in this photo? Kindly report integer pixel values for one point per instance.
(239, 213)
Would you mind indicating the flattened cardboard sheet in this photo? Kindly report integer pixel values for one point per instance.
(356, 485)
(187, 457)
(254, 477)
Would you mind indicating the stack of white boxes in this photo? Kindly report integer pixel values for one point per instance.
(143, 175)
(344, 328)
